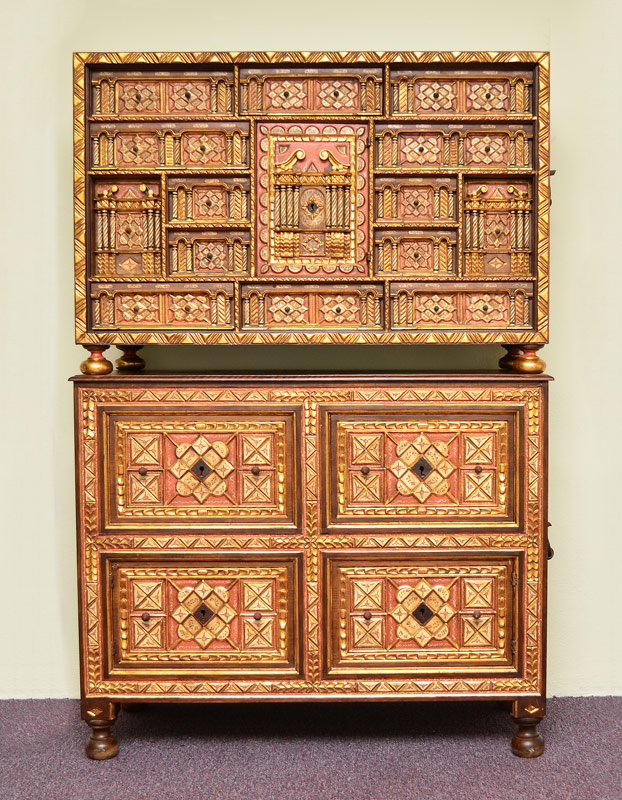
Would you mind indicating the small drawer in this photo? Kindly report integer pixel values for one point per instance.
(209, 307)
(416, 253)
(284, 92)
(211, 469)
(196, 255)
(461, 306)
(416, 200)
(204, 615)
(209, 201)
(413, 615)
(409, 149)
(498, 228)
(447, 94)
(422, 469)
(298, 306)
(167, 95)
(125, 145)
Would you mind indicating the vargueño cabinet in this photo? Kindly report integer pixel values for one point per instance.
(311, 537)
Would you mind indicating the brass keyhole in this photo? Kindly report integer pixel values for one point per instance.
(421, 470)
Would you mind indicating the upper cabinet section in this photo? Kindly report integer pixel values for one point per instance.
(294, 198)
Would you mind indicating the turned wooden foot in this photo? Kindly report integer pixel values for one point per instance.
(527, 713)
(96, 363)
(100, 716)
(102, 744)
(130, 361)
(523, 359)
(528, 741)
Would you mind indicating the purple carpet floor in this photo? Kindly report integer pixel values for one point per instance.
(444, 751)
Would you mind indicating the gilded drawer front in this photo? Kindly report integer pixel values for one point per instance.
(312, 200)
(409, 149)
(423, 469)
(414, 201)
(484, 307)
(284, 92)
(416, 253)
(169, 94)
(422, 614)
(293, 306)
(131, 146)
(498, 232)
(449, 94)
(195, 255)
(127, 235)
(210, 469)
(208, 201)
(182, 308)
(204, 616)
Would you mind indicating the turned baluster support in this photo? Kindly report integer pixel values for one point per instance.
(100, 717)
(528, 741)
(96, 363)
(522, 358)
(130, 361)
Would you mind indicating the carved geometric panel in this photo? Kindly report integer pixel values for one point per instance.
(421, 613)
(213, 616)
(203, 471)
(419, 470)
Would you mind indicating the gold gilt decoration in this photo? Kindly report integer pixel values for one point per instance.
(331, 589)
(228, 178)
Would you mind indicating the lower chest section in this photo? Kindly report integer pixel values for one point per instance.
(268, 538)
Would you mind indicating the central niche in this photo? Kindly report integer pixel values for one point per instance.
(312, 193)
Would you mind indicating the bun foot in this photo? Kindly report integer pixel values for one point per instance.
(102, 744)
(528, 741)
(96, 363)
(523, 359)
(130, 361)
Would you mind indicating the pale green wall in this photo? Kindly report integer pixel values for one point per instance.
(39, 629)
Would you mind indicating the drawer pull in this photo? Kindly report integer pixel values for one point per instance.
(203, 148)
(435, 95)
(364, 470)
(478, 469)
(335, 93)
(187, 95)
(487, 149)
(287, 309)
(367, 614)
(338, 310)
(135, 149)
(187, 308)
(257, 615)
(477, 614)
(484, 308)
(421, 149)
(136, 309)
(142, 471)
(145, 616)
(255, 470)
(138, 98)
(436, 309)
